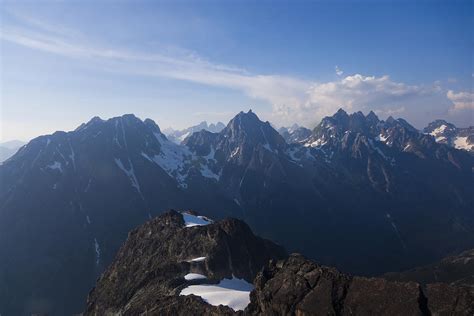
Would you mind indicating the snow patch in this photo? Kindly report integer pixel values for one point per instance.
(378, 150)
(461, 143)
(234, 293)
(194, 276)
(193, 220)
(235, 152)
(97, 251)
(183, 137)
(438, 130)
(317, 143)
(382, 138)
(55, 166)
(198, 259)
(130, 173)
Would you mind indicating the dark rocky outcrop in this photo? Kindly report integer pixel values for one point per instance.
(298, 286)
(454, 270)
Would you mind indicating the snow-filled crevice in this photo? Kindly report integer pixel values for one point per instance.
(130, 173)
(234, 293)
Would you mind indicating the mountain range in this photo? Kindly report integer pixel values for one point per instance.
(364, 195)
(442, 131)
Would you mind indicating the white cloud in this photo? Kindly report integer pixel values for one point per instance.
(461, 100)
(292, 99)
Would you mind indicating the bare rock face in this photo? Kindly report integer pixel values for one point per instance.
(148, 272)
(297, 286)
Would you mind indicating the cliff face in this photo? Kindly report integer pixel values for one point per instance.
(185, 264)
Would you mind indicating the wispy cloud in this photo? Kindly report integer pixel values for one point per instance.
(292, 99)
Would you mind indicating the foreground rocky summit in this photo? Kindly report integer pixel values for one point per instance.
(176, 254)
(151, 268)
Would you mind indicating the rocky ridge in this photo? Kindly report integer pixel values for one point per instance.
(151, 272)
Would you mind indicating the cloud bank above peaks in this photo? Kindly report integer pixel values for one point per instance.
(364, 93)
(290, 99)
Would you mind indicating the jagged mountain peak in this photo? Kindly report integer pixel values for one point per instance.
(248, 128)
(342, 122)
(248, 116)
(447, 133)
(439, 127)
(372, 117)
(340, 113)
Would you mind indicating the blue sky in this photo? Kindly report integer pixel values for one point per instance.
(181, 62)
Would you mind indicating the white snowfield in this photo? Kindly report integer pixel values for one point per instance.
(194, 276)
(193, 220)
(234, 293)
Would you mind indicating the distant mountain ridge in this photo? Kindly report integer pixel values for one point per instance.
(7, 149)
(358, 187)
(178, 136)
(295, 133)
